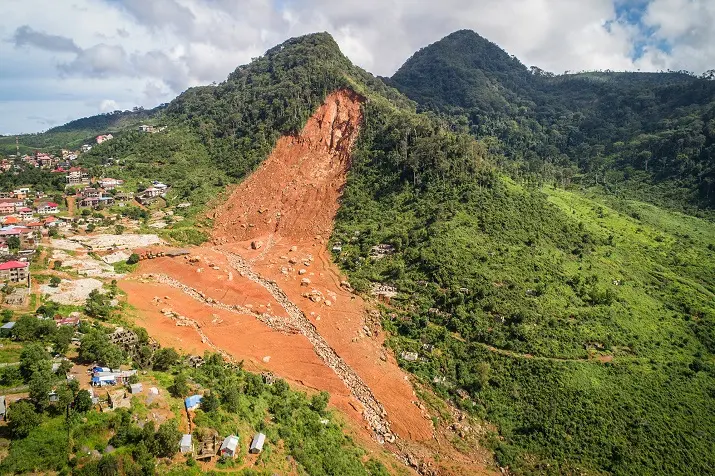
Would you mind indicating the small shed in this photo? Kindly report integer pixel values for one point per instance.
(193, 402)
(3, 407)
(185, 445)
(135, 388)
(257, 444)
(229, 446)
(154, 391)
(6, 328)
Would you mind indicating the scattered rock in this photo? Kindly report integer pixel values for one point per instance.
(256, 245)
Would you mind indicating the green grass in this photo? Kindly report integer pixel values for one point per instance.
(531, 288)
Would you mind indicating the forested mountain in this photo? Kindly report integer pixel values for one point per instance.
(581, 327)
(647, 135)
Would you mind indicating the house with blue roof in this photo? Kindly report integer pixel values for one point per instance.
(192, 402)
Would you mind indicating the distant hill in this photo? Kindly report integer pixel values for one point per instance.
(646, 135)
(75, 133)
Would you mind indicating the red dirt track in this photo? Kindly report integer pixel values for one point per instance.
(286, 209)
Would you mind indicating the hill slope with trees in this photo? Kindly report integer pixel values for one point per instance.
(643, 135)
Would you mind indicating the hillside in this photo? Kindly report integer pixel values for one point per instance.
(578, 328)
(75, 133)
(643, 135)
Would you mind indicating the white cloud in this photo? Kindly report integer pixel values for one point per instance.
(142, 52)
(108, 105)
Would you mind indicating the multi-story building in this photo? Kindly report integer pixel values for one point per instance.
(15, 272)
(77, 176)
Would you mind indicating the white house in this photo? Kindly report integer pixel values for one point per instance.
(185, 445)
(257, 443)
(229, 446)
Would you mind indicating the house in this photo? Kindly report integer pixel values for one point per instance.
(135, 388)
(6, 328)
(103, 376)
(186, 445)
(145, 128)
(9, 205)
(193, 402)
(3, 407)
(15, 272)
(4, 248)
(11, 220)
(110, 183)
(68, 321)
(104, 138)
(25, 213)
(86, 148)
(48, 208)
(257, 444)
(77, 176)
(229, 446)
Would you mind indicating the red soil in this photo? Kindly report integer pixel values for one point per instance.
(288, 205)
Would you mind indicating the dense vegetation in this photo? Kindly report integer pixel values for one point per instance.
(645, 135)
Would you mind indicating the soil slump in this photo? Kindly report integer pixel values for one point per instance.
(253, 292)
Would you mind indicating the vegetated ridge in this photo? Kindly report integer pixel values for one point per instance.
(644, 135)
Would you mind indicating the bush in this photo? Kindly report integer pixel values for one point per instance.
(22, 418)
(133, 259)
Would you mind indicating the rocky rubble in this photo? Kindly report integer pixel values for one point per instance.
(373, 411)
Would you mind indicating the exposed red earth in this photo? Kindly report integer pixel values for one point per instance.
(266, 291)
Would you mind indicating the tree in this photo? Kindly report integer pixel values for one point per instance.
(22, 418)
(167, 439)
(82, 402)
(40, 385)
(98, 305)
(33, 358)
(13, 243)
(133, 259)
(180, 387)
(95, 347)
(165, 358)
(55, 281)
(209, 402)
(57, 265)
(118, 229)
(62, 339)
(7, 315)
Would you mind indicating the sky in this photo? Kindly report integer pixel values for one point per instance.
(66, 59)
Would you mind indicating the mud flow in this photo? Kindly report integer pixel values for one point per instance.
(266, 291)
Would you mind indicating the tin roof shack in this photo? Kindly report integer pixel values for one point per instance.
(257, 444)
(3, 408)
(193, 402)
(186, 445)
(229, 446)
(136, 388)
(6, 329)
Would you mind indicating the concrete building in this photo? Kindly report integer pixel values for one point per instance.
(15, 272)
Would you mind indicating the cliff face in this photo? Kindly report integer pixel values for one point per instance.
(295, 192)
